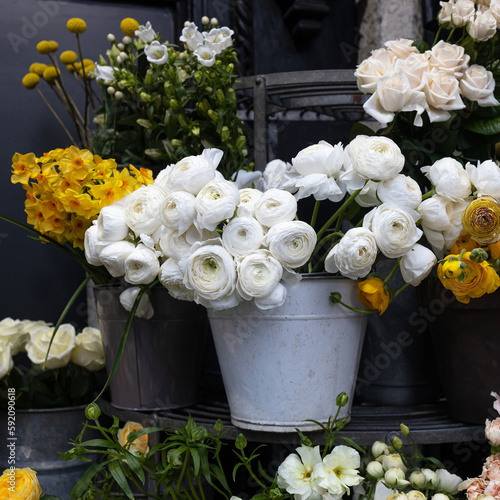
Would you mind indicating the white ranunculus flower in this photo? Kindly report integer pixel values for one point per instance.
(449, 179)
(242, 235)
(292, 243)
(156, 53)
(449, 58)
(193, 172)
(162, 178)
(191, 36)
(482, 26)
(179, 212)
(127, 300)
(401, 48)
(321, 158)
(375, 158)
(380, 63)
(295, 474)
(442, 94)
(485, 177)
(211, 272)
(394, 228)
(141, 266)
(354, 255)
(435, 212)
(248, 180)
(258, 275)
(276, 174)
(216, 202)
(111, 225)
(451, 234)
(448, 482)
(172, 278)
(275, 299)
(401, 190)
(13, 333)
(367, 197)
(114, 256)
(205, 55)
(275, 206)
(417, 264)
(248, 198)
(478, 85)
(93, 246)
(6, 361)
(89, 351)
(173, 244)
(143, 208)
(320, 186)
(462, 12)
(146, 33)
(104, 73)
(60, 350)
(414, 68)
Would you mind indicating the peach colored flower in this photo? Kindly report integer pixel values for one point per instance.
(475, 487)
(492, 431)
(140, 444)
(493, 489)
(491, 468)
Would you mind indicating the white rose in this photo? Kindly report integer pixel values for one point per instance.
(449, 58)
(216, 202)
(141, 266)
(248, 198)
(12, 333)
(143, 208)
(211, 272)
(292, 243)
(6, 361)
(179, 211)
(394, 93)
(394, 228)
(444, 15)
(449, 179)
(417, 264)
(30, 325)
(93, 246)
(414, 68)
(375, 158)
(275, 174)
(242, 235)
(114, 256)
(401, 190)
(478, 85)
(401, 48)
(89, 351)
(146, 33)
(156, 53)
(259, 273)
(435, 212)
(172, 278)
(482, 26)
(191, 36)
(354, 255)
(448, 482)
(127, 300)
(60, 350)
(111, 225)
(380, 63)
(462, 11)
(442, 95)
(193, 172)
(275, 206)
(485, 177)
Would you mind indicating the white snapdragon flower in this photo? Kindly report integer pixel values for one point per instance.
(205, 55)
(485, 177)
(156, 53)
(401, 190)
(143, 208)
(354, 255)
(191, 36)
(114, 255)
(146, 33)
(127, 300)
(179, 212)
(380, 63)
(417, 264)
(89, 351)
(275, 206)
(60, 350)
(242, 235)
(141, 266)
(172, 278)
(248, 198)
(216, 202)
(292, 243)
(394, 228)
(478, 85)
(111, 224)
(449, 179)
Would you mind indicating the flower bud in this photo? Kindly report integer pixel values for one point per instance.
(149, 78)
(432, 478)
(415, 495)
(118, 95)
(200, 434)
(405, 430)
(418, 479)
(397, 443)
(213, 115)
(440, 496)
(187, 24)
(120, 46)
(335, 298)
(378, 447)
(241, 442)
(241, 141)
(218, 426)
(126, 40)
(205, 20)
(478, 255)
(214, 21)
(395, 478)
(393, 460)
(375, 470)
(110, 90)
(397, 496)
(230, 67)
(111, 37)
(176, 143)
(182, 120)
(92, 412)
(342, 399)
(143, 122)
(224, 133)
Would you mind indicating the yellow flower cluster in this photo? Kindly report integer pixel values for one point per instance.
(66, 189)
(20, 484)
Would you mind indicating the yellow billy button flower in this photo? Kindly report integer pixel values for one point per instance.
(68, 57)
(478, 279)
(20, 484)
(373, 295)
(481, 219)
(38, 68)
(76, 25)
(50, 74)
(53, 46)
(24, 167)
(129, 26)
(43, 47)
(30, 81)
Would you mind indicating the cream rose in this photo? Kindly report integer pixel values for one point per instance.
(449, 179)
(6, 361)
(292, 243)
(417, 264)
(482, 26)
(401, 48)
(442, 95)
(12, 333)
(449, 58)
(141, 266)
(172, 279)
(414, 68)
(114, 256)
(111, 224)
(462, 12)
(275, 206)
(380, 63)
(478, 85)
(143, 208)
(89, 351)
(485, 177)
(394, 228)
(60, 350)
(242, 235)
(178, 211)
(127, 300)
(216, 202)
(401, 190)
(444, 15)
(492, 431)
(354, 255)
(248, 198)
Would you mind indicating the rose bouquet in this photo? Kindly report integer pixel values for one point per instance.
(43, 378)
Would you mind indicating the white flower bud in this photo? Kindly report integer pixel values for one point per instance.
(379, 448)
(395, 478)
(120, 46)
(397, 496)
(415, 495)
(187, 24)
(440, 496)
(111, 37)
(110, 90)
(214, 21)
(432, 479)
(205, 20)
(118, 95)
(126, 40)
(123, 56)
(375, 470)
(418, 479)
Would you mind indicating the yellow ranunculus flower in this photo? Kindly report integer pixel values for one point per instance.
(19, 484)
(478, 280)
(463, 241)
(494, 250)
(452, 268)
(129, 26)
(373, 295)
(76, 25)
(140, 444)
(481, 219)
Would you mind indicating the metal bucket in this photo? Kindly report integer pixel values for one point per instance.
(161, 364)
(288, 364)
(40, 434)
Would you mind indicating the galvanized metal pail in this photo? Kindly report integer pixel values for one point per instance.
(162, 361)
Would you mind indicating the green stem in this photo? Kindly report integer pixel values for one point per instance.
(183, 471)
(437, 35)
(393, 270)
(430, 193)
(315, 213)
(191, 485)
(406, 285)
(143, 491)
(364, 311)
(451, 33)
(318, 246)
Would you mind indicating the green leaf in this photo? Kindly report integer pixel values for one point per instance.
(421, 45)
(121, 480)
(135, 465)
(83, 483)
(484, 126)
(360, 129)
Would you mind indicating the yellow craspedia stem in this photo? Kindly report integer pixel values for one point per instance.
(129, 26)
(373, 295)
(43, 47)
(68, 57)
(481, 219)
(50, 74)
(30, 81)
(76, 25)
